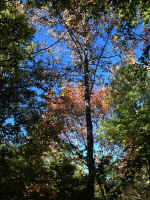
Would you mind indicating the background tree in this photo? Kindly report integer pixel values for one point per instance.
(23, 77)
(23, 81)
(129, 126)
(81, 32)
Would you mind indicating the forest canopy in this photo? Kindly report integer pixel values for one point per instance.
(74, 100)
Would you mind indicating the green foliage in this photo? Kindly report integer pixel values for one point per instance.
(21, 167)
(23, 77)
(130, 93)
(10, 173)
(18, 171)
(132, 12)
(15, 35)
(21, 74)
(129, 126)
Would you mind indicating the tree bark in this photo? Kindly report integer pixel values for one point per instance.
(90, 141)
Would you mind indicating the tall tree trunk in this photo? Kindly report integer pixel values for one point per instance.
(89, 126)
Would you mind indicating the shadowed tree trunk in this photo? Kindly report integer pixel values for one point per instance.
(89, 127)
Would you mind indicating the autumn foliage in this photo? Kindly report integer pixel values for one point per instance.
(70, 104)
(39, 189)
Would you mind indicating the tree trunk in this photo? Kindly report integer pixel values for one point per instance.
(89, 126)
